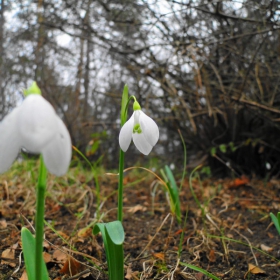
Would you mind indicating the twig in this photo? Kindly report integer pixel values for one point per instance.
(152, 239)
(255, 104)
(250, 246)
(79, 274)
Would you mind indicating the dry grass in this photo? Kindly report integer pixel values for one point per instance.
(230, 235)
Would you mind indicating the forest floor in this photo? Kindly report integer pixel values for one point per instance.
(230, 236)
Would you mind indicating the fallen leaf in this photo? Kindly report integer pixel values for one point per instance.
(23, 276)
(3, 224)
(199, 276)
(8, 256)
(85, 232)
(71, 267)
(63, 235)
(136, 208)
(212, 256)
(59, 256)
(179, 231)
(270, 235)
(254, 270)
(47, 257)
(130, 274)
(266, 248)
(243, 180)
(46, 245)
(159, 256)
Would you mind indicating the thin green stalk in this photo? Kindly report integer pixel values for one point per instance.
(39, 225)
(124, 107)
(93, 169)
(185, 160)
(192, 190)
(120, 189)
(180, 249)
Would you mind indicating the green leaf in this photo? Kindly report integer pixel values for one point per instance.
(113, 237)
(276, 221)
(223, 148)
(213, 151)
(94, 147)
(205, 272)
(28, 245)
(206, 170)
(173, 191)
(116, 232)
(124, 102)
(232, 147)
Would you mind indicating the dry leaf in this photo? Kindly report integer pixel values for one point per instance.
(63, 235)
(270, 235)
(159, 256)
(59, 256)
(266, 248)
(72, 267)
(47, 257)
(46, 244)
(199, 276)
(9, 256)
(85, 232)
(23, 276)
(129, 274)
(179, 231)
(212, 256)
(254, 270)
(3, 224)
(243, 180)
(136, 208)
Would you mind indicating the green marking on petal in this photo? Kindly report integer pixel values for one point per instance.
(137, 129)
(33, 89)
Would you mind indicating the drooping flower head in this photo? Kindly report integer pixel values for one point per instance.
(36, 127)
(141, 129)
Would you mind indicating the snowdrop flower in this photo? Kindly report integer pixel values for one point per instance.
(141, 129)
(36, 127)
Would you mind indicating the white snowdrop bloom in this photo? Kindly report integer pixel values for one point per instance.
(36, 127)
(141, 129)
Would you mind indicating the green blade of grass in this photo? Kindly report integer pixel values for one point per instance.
(205, 272)
(243, 243)
(173, 190)
(276, 221)
(193, 193)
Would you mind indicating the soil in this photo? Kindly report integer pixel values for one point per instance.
(230, 235)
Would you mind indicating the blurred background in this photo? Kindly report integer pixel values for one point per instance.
(210, 69)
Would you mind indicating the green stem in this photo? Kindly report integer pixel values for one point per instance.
(120, 190)
(124, 108)
(39, 225)
(185, 160)
(95, 176)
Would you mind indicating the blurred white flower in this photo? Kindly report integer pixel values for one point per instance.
(142, 130)
(36, 127)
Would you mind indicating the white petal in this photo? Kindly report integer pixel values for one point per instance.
(37, 123)
(149, 128)
(9, 140)
(57, 154)
(126, 134)
(141, 143)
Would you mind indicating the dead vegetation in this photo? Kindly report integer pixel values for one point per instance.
(229, 236)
